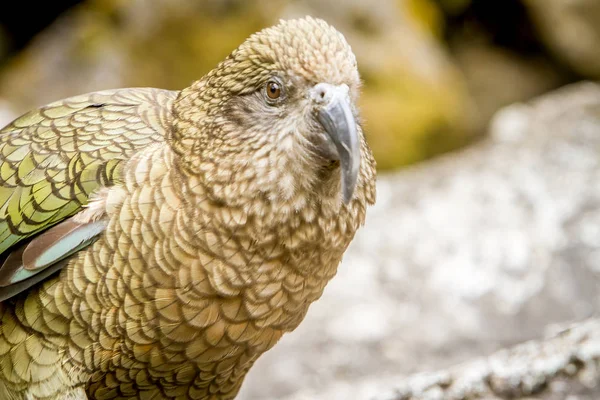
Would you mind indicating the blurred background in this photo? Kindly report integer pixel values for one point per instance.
(489, 242)
(434, 71)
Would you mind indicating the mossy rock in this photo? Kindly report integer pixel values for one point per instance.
(410, 119)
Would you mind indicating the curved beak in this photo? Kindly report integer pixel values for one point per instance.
(334, 112)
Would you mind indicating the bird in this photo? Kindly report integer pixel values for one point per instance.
(154, 243)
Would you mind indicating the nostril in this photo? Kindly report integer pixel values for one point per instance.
(321, 93)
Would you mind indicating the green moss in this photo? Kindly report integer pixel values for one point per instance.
(409, 118)
(183, 45)
(185, 48)
(426, 14)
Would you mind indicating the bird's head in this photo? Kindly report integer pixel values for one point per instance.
(279, 117)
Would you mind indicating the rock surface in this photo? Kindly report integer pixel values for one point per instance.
(461, 256)
(565, 366)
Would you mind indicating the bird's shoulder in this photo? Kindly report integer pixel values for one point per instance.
(97, 119)
(53, 158)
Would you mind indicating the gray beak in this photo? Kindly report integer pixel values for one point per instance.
(334, 112)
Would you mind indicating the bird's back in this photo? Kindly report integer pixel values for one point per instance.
(51, 161)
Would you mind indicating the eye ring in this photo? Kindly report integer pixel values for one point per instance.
(273, 90)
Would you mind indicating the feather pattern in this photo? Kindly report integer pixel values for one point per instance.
(215, 224)
(45, 250)
(59, 242)
(54, 158)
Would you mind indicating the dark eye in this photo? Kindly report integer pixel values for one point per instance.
(273, 90)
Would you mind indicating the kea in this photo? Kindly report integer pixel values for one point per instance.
(154, 243)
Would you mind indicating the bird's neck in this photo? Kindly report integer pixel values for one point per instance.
(268, 230)
(275, 258)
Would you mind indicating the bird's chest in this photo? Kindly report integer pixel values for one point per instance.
(188, 319)
(180, 326)
(191, 299)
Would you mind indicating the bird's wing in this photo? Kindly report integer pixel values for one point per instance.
(52, 159)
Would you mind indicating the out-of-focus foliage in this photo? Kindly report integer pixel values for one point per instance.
(571, 29)
(22, 20)
(415, 103)
(454, 7)
(434, 70)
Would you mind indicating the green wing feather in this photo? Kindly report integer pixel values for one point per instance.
(53, 158)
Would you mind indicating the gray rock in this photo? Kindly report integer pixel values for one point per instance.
(461, 256)
(565, 366)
